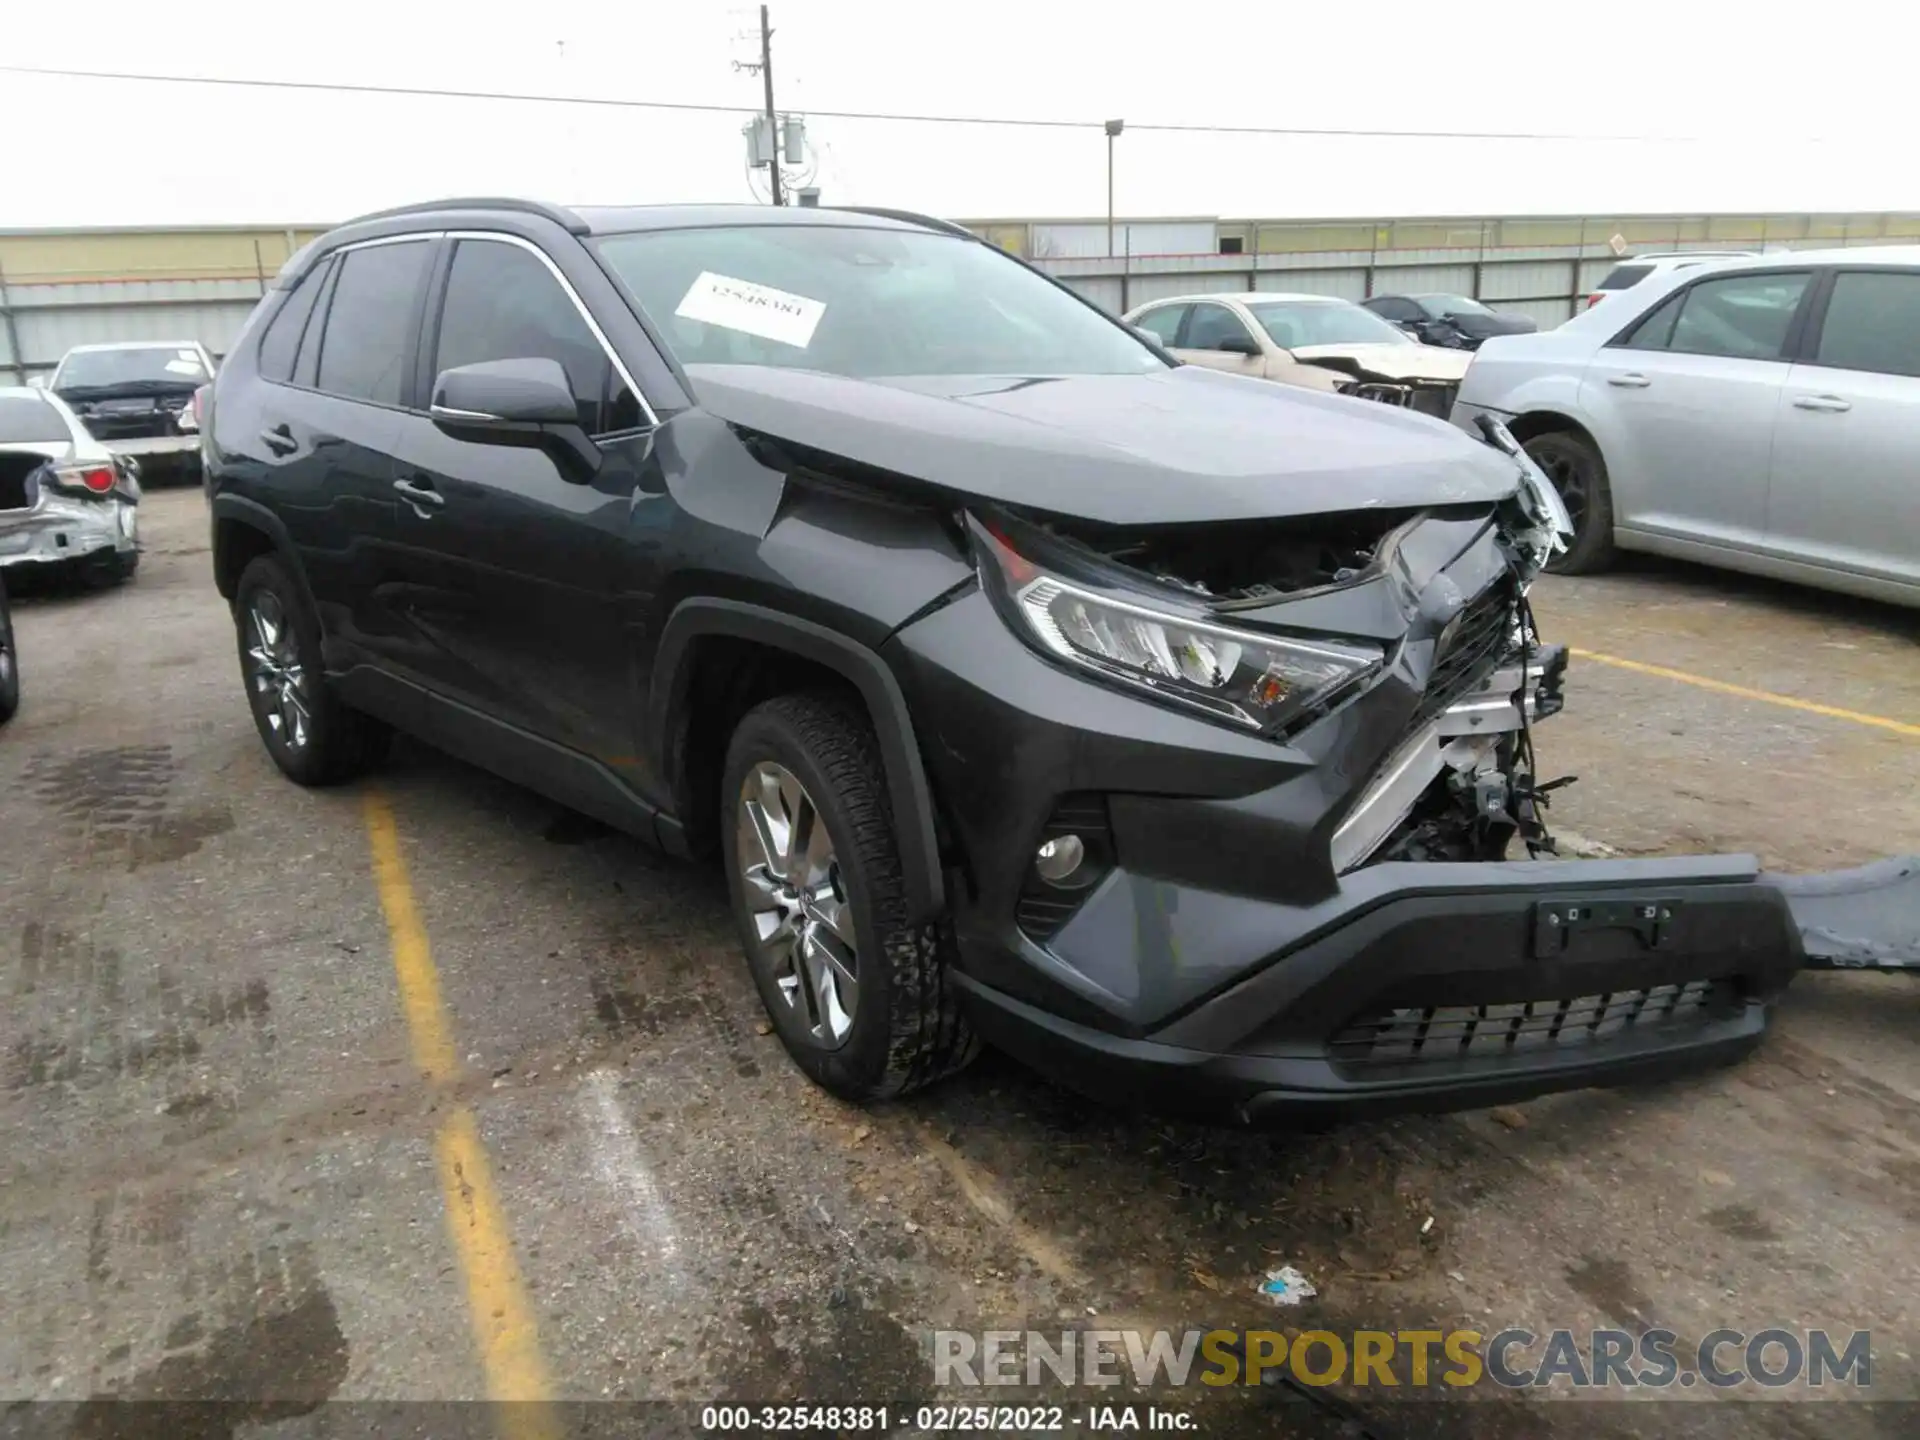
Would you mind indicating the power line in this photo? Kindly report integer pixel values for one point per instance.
(1021, 122)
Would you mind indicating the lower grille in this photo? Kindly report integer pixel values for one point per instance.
(1482, 634)
(1447, 1033)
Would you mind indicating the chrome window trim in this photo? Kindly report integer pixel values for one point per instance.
(566, 286)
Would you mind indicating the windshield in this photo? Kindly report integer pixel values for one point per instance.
(863, 302)
(1299, 323)
(27, 419)
(135, 365)
(1438, 305)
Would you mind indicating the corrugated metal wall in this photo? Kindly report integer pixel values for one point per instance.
(1348, 284)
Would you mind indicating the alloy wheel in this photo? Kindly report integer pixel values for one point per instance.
(796, 899)
(1570, 479)
(278, 679)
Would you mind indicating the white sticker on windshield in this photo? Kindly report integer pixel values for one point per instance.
(185, 367)
(754, 309)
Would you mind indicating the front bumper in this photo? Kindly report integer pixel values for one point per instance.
(1229, 965)
(1423, 987)
(59, 529)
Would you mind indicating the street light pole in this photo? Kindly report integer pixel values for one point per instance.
(1114, 127)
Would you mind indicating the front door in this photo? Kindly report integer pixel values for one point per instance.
(517, 559)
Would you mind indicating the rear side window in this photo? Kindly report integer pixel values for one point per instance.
(1625, 277)
(1164, 322)
(504, 304)
(29, 420)
(363, 355)
(1740, 317)
(1873, 323)
(1655, 332)
(282, 339)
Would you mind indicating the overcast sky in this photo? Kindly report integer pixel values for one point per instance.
(1781, 114)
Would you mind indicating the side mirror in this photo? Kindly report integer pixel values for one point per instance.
(514, 402)
(1238, 345)
(1140, 332)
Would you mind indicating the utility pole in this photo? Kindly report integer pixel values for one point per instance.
(773, 123)
(1114, 127)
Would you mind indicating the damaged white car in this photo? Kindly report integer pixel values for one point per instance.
(66, 501)
(1316, 341)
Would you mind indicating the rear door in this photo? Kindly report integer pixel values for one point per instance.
(331, 429)
(1846, 488)
(1684, 402)
(515, 564)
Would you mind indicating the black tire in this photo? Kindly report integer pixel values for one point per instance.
(332, 743)
(907, 1029)
(9, 661)
(1574, 466)
(126, 564)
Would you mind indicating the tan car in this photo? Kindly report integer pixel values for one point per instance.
(1314, 341)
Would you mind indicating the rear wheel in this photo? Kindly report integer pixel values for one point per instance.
(311, 736)
(9, 661)
(861, 999)
(1574, 466)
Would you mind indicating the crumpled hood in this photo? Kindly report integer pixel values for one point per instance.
(1175, 446)
(1395, 362)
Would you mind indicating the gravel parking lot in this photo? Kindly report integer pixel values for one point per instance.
(425, 1089)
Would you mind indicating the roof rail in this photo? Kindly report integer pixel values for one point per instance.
(910, 217)
(560, 216)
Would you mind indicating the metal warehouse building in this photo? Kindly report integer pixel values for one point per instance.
(64, 288)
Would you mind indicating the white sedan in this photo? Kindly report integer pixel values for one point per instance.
(65, 499)
(1316, 341)
(1762, 414)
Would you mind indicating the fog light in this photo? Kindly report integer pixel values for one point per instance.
(1057, 860)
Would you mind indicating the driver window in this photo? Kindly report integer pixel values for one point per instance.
(1211, 324)
(503, 304)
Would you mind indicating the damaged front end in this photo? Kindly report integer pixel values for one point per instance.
(1286, 884)
(1274, 624)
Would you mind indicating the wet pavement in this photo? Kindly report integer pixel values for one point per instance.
(234, 1170)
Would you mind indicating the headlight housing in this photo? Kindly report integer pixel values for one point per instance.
(1257, 681)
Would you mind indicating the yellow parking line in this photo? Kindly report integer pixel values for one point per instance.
(1687, 677)
(500, 1309)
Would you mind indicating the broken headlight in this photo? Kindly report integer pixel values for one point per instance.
(1262, 682)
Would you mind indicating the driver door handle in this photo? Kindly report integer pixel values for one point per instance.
(1632, 381)
(419, 493)
(1821, 402)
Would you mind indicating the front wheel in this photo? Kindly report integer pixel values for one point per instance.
(861, 999)
(312, 737)
(1574, 466)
